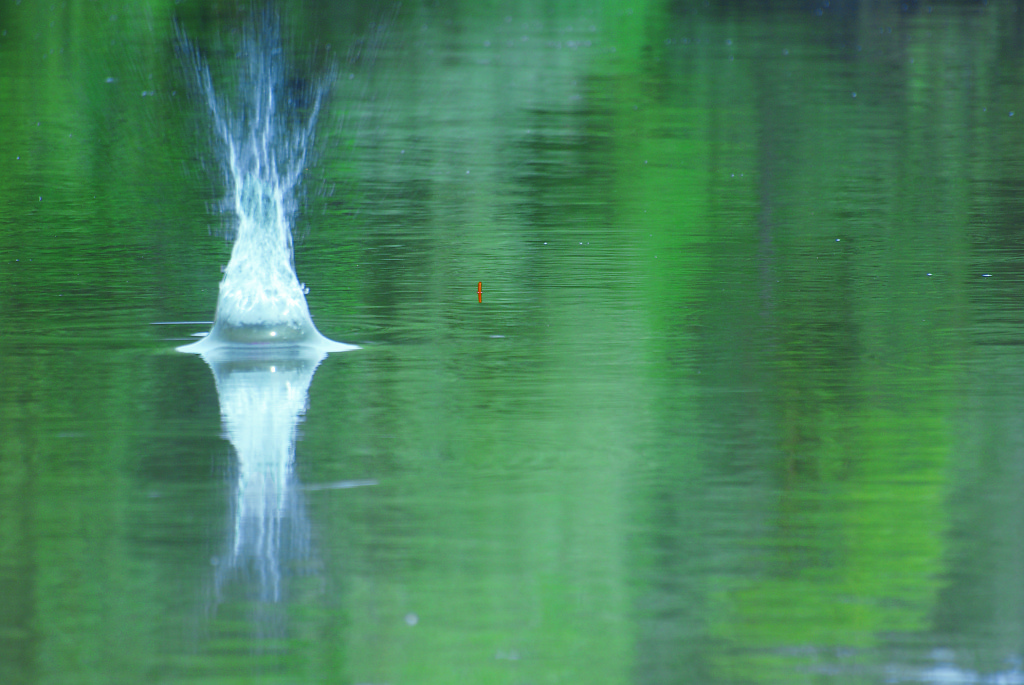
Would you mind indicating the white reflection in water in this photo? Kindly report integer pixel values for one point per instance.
(261, 403)
(945, 672)
(262, 400)
(267, 561)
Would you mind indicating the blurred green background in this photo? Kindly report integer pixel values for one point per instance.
(741, 404)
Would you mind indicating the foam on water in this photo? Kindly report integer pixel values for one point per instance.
(264, 142)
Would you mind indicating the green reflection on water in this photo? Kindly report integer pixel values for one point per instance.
(739, 403)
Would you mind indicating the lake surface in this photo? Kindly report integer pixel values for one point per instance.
(742, 400)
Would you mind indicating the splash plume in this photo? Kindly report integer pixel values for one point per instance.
(264, 136)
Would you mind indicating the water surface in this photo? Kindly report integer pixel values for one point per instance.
(740, 402)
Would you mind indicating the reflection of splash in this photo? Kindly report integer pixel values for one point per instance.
(265, 135)
(261, 403)
(945, 671)
(268, 547)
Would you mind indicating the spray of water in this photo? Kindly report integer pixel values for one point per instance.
(264, 136)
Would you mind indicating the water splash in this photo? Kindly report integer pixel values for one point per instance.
(264, 143)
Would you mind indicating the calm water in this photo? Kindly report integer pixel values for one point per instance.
(741, 403)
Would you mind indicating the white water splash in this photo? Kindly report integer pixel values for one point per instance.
(264, 144)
